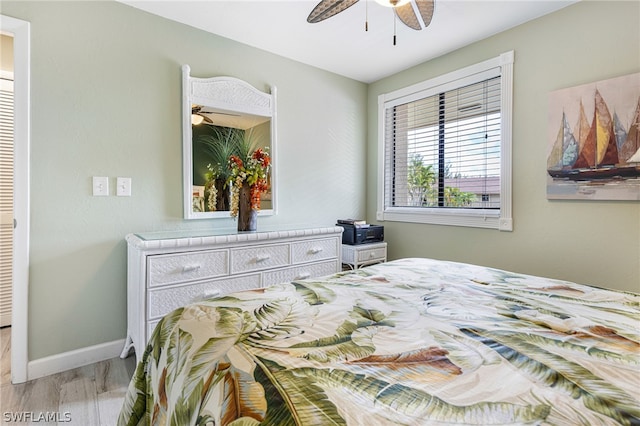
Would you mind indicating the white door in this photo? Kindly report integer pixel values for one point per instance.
(21, 32)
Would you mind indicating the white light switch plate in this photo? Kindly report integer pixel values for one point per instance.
(100, 186)
(123, 186)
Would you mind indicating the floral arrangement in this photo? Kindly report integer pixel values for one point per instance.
(254, 170)
(210, 178)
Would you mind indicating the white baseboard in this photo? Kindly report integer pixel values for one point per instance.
(77, 358)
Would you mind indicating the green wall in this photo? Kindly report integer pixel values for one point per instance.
(591, 242)
(105, 101)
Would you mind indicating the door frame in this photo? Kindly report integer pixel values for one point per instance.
(21, 32)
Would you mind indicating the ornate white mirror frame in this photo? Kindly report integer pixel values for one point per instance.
(229, 102)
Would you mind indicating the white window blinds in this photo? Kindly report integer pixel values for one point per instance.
(443, 150)
(6, 200)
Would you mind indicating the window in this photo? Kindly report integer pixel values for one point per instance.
(445, 149)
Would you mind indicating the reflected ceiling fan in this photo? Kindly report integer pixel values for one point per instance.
(197, 115)
(405, 10)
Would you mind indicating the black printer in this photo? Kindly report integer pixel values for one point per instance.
(356, 232)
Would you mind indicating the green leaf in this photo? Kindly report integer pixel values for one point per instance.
(553, 370)
(205, 361)
(314, 293)
(414, 404)
(185, 410)
(341, 346)
(294, 399)
(162, 333)
(279, 318)
(177, 355)
(134, 405)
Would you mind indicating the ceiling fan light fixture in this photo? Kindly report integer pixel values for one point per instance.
(392, 3)
(196, 119)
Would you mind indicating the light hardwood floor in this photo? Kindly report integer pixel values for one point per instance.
(87, 396)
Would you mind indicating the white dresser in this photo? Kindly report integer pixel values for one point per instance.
(172, 269)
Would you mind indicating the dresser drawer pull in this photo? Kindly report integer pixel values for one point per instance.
(190, 268)
(302, 276)
(262, 258)
(206, 294)
(372, 254)
(316, 250)
(211, 293)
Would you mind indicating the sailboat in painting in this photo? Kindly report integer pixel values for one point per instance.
(603, 150)
(630, 150)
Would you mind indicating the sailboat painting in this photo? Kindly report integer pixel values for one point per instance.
(594, 141)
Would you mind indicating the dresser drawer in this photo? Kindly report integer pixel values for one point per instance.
(177, 268)
(259, 257)
(300, 272)
(374, 253)
(314, 250)
(164, 300)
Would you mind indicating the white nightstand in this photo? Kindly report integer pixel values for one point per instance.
(361, 255)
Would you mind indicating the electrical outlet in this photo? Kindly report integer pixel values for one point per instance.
(123, 187)
(100, 186)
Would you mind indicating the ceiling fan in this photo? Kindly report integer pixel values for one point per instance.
(197, 115)
(200, 115)
(405, 10)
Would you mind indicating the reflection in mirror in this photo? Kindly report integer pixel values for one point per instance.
(223, 117)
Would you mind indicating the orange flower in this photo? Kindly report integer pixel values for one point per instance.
(254, 170)
(261, 157)
(236, 160)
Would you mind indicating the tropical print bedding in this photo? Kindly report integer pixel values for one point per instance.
(410, 342)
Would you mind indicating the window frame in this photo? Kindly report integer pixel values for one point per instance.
(478, 218)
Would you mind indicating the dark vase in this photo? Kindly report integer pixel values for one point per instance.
(247, 217)
(222, 196)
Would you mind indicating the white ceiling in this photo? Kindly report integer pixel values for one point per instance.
(340, 43)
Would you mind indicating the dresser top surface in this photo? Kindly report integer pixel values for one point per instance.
(199, 237)
(204, 232)
(183, 233)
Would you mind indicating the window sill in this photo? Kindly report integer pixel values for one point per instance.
(470, 218)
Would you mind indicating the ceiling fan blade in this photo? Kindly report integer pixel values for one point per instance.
(408, 16)
(328, 8)
(426, 7)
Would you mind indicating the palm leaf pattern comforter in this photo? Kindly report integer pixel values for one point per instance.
(412, 342)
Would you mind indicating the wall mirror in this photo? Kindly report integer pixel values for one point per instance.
(218, 114)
